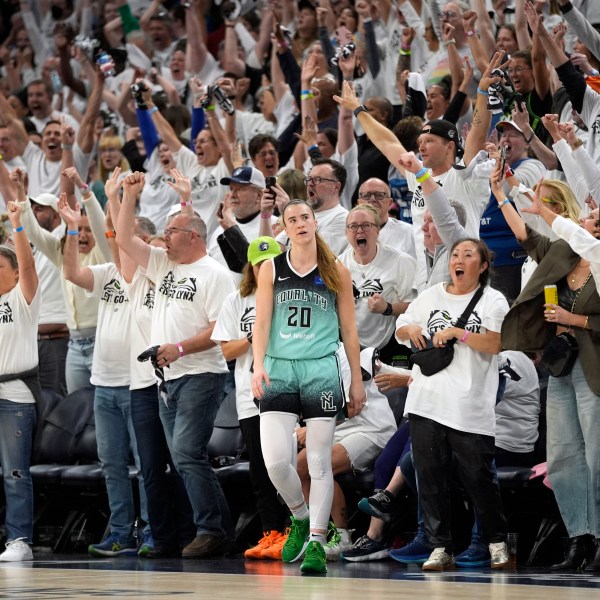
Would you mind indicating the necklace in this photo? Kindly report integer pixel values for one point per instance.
(579, 265)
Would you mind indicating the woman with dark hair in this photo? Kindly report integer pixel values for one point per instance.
(19, 385)
(451, 412)
(304, 299)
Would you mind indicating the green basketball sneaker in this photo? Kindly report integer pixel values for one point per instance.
(315, 560)
(297, 539)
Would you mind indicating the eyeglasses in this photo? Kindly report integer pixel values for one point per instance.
(318, 180)
(448, 14)
(517, 70)
(169, 230)
(354, 227)
(377, 196)
(266, 153)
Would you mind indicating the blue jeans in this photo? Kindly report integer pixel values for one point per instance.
(169, 509)
(79, 363)
(17, 424)
(573, 451)
(115, 438)
(188, 420)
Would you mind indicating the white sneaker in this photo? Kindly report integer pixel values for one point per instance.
(16, 551)
(439, 560)
(340, 540)
(499, 555)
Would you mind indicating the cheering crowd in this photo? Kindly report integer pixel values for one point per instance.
(312, 206)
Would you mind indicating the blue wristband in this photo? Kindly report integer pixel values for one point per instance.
(482, 92)
(313, 147)
(503, 203)
(72, 231)
(17, 229)
(421, 172)
(152, 110)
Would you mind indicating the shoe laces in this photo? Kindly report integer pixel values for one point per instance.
(313, 551)
(437, 554)
(333, 535)
(362, 541)
(268, 538)
(381, 496)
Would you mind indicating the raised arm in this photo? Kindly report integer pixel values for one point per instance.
(138, 250)
(512, 217)
(28, 278)
(165, 131)
(97, 222)
(522, 33)
(196, 51)
(85, 134)
(72, 270)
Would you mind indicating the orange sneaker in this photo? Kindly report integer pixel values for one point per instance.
(274, 550)
(269, 537)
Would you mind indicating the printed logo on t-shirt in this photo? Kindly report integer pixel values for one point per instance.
(209, 182)
(113, 292)
(157, 181)
(370, 287)
(149, 299)
(184, 289)
(247, 320)
(5, 313)
(327, 403)
(441, 319)
(417, 200)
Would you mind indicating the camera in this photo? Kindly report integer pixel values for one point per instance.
(149, 354)
(216, 93)
(137, 89)
(345, 52)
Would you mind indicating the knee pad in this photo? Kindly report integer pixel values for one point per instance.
(317, 467)
(278, 470)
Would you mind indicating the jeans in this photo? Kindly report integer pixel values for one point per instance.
(169, 509)
(573, 451)
(116, 439)
(434, 446)
(79, 363)
(188, 419)
(17, 424)
(52, 364)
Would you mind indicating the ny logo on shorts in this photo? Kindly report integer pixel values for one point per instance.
(327, 402)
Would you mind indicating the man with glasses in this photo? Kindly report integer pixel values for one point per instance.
(324, 186)
(392, 232)
(190, 288)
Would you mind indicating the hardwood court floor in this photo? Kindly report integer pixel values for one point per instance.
(71, 577)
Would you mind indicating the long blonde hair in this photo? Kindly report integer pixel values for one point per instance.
(110, 141)
(564, 198)
(248, 284)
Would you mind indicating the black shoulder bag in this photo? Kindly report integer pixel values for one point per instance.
(434, 360)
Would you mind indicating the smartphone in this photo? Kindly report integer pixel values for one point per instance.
(518, 99)
(270, 182)
(220, 211)
(503, 159)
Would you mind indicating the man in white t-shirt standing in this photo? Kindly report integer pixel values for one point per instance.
(190, 290)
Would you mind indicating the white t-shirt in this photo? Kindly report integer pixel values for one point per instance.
(472, 192)
(249, 124)
(398, 235)
(44, 174)
(141, 294)
(157, 197)
(390, 274)
(207, 191)
(236, 322)
(110, 365)
(285, 111)
(18, 341)
(463, 395)
(187, 299)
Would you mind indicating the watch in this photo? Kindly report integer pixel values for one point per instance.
(389, 309)
(360, 109)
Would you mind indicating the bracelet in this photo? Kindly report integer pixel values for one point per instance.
(420, 172)
(585, 325)
(180, 348)
(232, 25)
(503, 203)
(404, 52)
(265, 217)
(482, 92)
(84, 188)
(465, 336)
(72, 231)
(448, 42)
(187, 203)
(152, 110)
(111, 233)
(306, 96)
(306, 92)
(359, 109)
(424, 177)
(508, 172)
(578, 142)
(389, 309)
(469, 33)
(528, 141)
(67, 146)
(313, 147)
(19, 228)
(210, 108)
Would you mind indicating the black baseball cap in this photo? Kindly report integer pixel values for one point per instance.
(444, 129)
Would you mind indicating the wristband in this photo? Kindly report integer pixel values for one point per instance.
(67, 146)
(20, 228)
(404, 52)
(503, 203)
(469, 33)
(482, 92)
(448, 42)
(72, 231)
(420, 172)
(313, 147)
(210, 108)
(528, 141)
(465, 336)
(359, 109)
(232, 25)
(508, 172)
(152, 110)
(188, 203)
(388, 310)
(84, 188)
(424, 177)
(110, 233)
(306, 92)
(306, 96)
(181, 352)
(594, 73)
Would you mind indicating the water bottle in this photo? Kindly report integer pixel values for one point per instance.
(55, 81)
(105, 62)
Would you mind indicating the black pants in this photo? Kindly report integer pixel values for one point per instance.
(53, 357)
(433, 448)
(272, 513)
